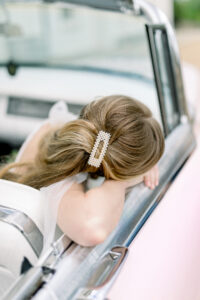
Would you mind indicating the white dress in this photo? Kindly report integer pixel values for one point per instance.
(52, 194)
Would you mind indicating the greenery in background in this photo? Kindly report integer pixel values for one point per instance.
(187, 10)
(9, 158)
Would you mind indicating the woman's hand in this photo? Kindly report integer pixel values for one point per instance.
(151, 178)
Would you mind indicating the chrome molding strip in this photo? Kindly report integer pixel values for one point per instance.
(113, 5)
(28, 283)
(51, 257)
(25, 286)
(108, 268)
(25, 225)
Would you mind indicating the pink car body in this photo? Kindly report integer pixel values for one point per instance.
(163, 260)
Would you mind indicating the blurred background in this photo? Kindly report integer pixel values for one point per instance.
(185, 17)
(33, 44)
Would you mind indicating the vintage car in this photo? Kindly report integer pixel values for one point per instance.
(75, 51)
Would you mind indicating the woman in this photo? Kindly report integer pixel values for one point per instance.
(115, 137)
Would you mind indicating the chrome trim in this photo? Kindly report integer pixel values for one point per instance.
(54, 253)
(25, 225)
(169, 74)
(116, 256)
(113, 5)
(108, 267)
(156, 70)
(155, 16)
(28, 283)
(25, 286)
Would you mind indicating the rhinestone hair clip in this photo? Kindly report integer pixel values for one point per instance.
(102, 136)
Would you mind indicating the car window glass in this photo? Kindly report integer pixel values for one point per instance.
(83, 40)
(172, 115)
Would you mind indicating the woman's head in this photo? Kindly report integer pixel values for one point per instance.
(135, 145)
(136, 142)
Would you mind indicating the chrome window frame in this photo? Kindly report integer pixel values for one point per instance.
(25, 225)
(151, 30)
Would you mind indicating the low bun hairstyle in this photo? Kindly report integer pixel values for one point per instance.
(135, 146)
(136, 142)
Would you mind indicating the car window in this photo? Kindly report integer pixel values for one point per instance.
(170, 104)
(84, 40)
(164, 76)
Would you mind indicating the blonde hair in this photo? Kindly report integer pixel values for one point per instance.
(135, 146)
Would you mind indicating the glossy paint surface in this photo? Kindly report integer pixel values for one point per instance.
(164, 259)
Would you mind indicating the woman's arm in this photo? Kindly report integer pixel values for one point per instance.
(89, 217)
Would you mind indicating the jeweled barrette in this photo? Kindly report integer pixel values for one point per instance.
(102, 136)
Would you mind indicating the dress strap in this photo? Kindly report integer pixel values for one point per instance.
(81, 177)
